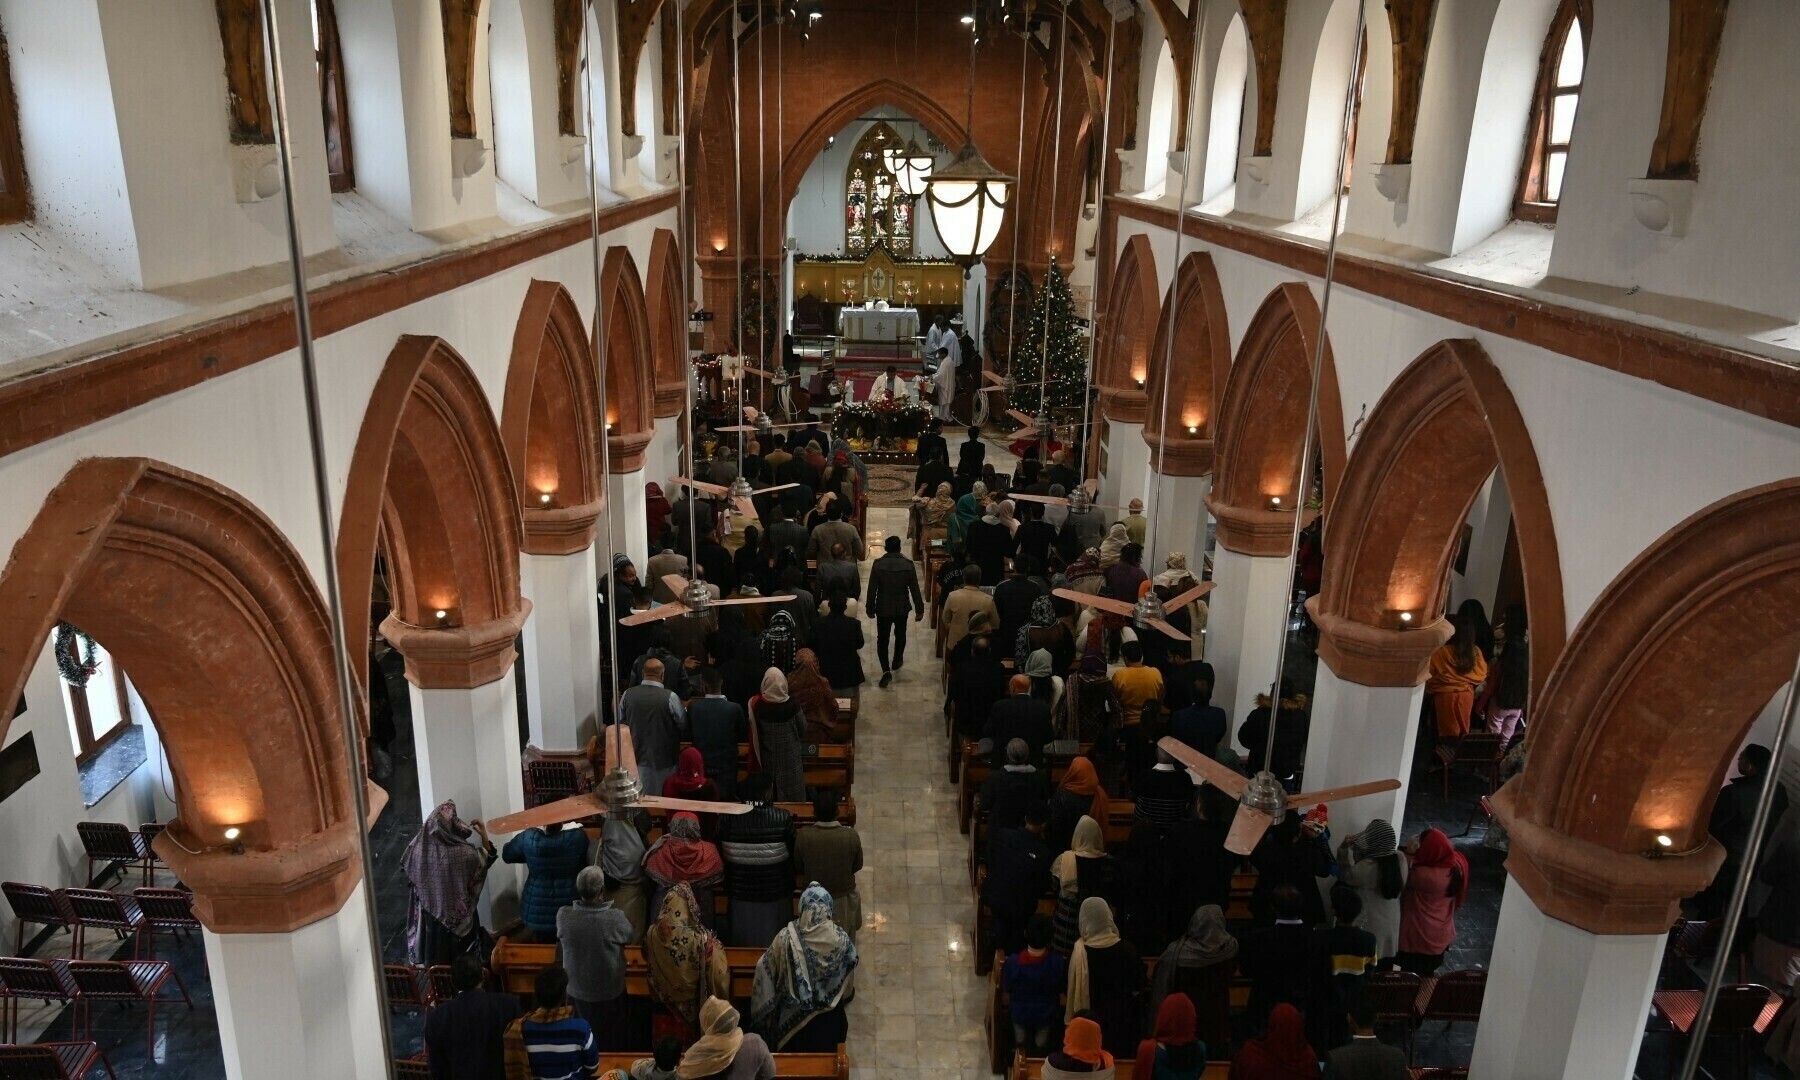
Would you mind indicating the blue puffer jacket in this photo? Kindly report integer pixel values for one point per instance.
(551, 863)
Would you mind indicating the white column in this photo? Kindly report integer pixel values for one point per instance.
(1361, 733)
(1127, 474)
(625, 515)
(1244, 628)
(562, 648)
(663, 458)
(302, 1004)
(1562, 1002)
(468, 750)
(1178, 518)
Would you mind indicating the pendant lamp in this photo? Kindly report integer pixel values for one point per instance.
(968, 196)
(913, 168)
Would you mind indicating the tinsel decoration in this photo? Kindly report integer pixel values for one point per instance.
(75, 669)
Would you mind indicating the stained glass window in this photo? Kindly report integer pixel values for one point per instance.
(876, 210)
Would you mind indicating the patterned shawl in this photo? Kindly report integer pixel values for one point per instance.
(446, 871)
(804, 973)
(687, 963)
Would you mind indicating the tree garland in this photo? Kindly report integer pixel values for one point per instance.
(76, 671)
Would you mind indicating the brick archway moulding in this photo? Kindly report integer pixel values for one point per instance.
(1627, 742)
(626, 361)
(668, 324)
(430, 485)
(1194, 312)
(550, 423)
(1132, 303)
(1439, 431)
(1262, 423)
(203, 600)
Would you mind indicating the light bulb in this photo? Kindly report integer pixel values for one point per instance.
(968, 20)
(1664, 841)
(544, 499)
(232, 833)
(1405, 617)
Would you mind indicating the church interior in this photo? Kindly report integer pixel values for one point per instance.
(473, 467)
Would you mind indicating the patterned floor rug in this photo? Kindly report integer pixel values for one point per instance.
(890, 485)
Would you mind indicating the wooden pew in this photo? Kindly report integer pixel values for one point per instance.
(823, 1066)
(833, 766)
(517, 966)
(1116, 828)
(975, 773)
(1024, 1068)
(802, 811)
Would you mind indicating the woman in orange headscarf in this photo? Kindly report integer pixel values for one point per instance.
(1081, 1054)
(1079, 795)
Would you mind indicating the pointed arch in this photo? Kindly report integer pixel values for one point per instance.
(203, 600)
(1123, 362)
(629, 372)
(1262, 423)
(1638, 723)
(1195, 313)
(1431, 442)
(550, 423)
(430, 485)
(916, 103)
(668, 324)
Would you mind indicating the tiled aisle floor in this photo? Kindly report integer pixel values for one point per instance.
(919, 1007)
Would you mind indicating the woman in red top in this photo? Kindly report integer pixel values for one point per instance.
(1282, 1053)
(1436, 885)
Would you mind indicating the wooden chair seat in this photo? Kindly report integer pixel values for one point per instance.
(131, 980)
(516, 965)
(52, 1061)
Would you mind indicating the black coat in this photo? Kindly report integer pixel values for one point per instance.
(1018, 872)
(1005, 795)
(1019, 717)
(838, 639)
(894, 587)
(1284, 963)
(465, 1036)
(988, 547)
(974, 687)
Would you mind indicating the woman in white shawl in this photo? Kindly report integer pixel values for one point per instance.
(1114, 544)
(803, 981)
(1177, 579)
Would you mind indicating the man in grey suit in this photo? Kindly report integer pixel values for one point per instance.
(1365, 1057)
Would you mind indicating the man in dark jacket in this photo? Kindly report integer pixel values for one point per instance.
(1019, 716)
(893, 594)
(1731, 820)
(1018, 875)
(718, 726)
(465, 1035)
(1285, 962)
(1013, 598)
(1365, 1057)
(975, 684)
(758, 850)
(1008, 791)
(838, 641)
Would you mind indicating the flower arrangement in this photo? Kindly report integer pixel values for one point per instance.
(886, 422)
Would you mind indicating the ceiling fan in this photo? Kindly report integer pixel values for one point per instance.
(694, 600)
(619, 790)
(1081, 500)
(759, 421)
(1262, 801)
(1148, 613)
(740, 492)
(1005, 384)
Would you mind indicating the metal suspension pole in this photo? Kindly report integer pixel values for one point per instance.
(762, 232)
(1312, 398)
(1062, 53)
(1087, 374)
(1734, 911)
(322, 501)
(602, 362)
(1012, 294)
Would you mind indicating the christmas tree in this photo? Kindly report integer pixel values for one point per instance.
(1049, 346)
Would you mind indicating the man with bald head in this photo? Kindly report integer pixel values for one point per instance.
(1018, 715)
(656, 719)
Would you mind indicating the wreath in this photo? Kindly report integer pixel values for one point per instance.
(76, 670)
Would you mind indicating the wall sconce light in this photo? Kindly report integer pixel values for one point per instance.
(1406, 619)
(609, 425)
(1664, 841)
(1139, 379)
(234, 840)
(1193, 429)
(718, 247)
(1275, 505)
(443, 617)
(543, 498)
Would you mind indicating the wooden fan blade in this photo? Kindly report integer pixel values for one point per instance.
(1373, 787)
(1169, 630)
(777, 487)
(782, 599)
(676, 583)
(993, 378)
(735, 428)
(1104, 603)
(560, 812)
(618, 748)
(1028, 421)
(655, 614)
(1053, 500)
(701, 484)
(1186, 598)
(692, 806)
(759, 371)
(991, 390)
(747, 508)
(1247, 830)
(1227, 780)
(1022, 433)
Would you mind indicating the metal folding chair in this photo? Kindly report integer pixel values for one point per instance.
(1393, 995)
(169, 911)
(1743, 1010)
(403, 987)
(130, 980)
(23, 978)
(108, 842)
(1453, 997)
(548, 781)
(37, 904)
(108, 911)
(52, 1061)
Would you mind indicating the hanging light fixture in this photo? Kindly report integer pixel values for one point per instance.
(914, 168)
(968, 196)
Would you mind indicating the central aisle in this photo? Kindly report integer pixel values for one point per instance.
(919, 1006)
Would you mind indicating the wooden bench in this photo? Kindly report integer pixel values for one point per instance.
(1116, 829)
(974, 773)
(834, 766)
(1024, 1068)
(802, 811)
(831, 1066)
(516, 966)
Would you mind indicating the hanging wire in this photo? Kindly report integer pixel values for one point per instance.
(762, 232)
(1047, 432)
(1087, 374)
(1318, 360)
(322, 503)
(1012, 294)
(602, 362)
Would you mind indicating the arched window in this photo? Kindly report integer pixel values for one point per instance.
(1553, 111)
(328, 54)
(1161, 125)
(875, 209)
(1231, 85)
(14, 203)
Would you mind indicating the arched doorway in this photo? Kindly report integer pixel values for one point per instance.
(1192, 354)
(629, 367)
(1123, 362)
(668, 324)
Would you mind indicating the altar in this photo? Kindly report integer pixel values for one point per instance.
(884, 325)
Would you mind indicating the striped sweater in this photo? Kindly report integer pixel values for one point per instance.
(550, 1044)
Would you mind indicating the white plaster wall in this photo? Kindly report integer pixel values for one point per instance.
(1158, 127)
(1220, 114)
(816, 216)
(1315, 73)
(528, 144)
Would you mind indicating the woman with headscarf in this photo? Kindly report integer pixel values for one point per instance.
(1081, 1055)
(1090, 704)
(1083, 872)
(681, 856)
(447, 873)
(1200, 964)
(1106, 978)
(724, 1050)
(687, 965)
(748, 561)
(842, 446)
(808, 688)
(1007, 511)
(1056, 515)
(1079, 794)
(690, 780)
(1174, 1052)
(656, 512)
(1436, 885)
(968, 511)
(804, 981)
(1116, 539)
(778, 736)
(1177, 578)
(1048, 629)
(989, 542)
(1280, 1053)
(1370, 863)
(934, 515)
(621, 856)
(1085, 575)
(841, 479)
(1046, 686)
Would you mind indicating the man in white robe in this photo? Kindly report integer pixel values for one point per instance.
(889, 385)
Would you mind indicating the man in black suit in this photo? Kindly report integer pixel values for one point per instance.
(1286, 963)
(1018, 876)
(1365, 1057)
(465, 1036)
(1019, 716)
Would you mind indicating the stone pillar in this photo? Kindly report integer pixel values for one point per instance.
(626, 514)
(718, 294)
(300, 1004)
(1178, 519)
(1127, 474)
(1243, 628)
(1365, 713)
(558, 574)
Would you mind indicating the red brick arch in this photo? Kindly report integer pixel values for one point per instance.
(1438, 432)
(1126, 327)
(1642, 717)
(430, 484)
(1195, 313)
(550, 423)
(1262, 423)
(668, 324)
(201, 598)
(626, 360)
